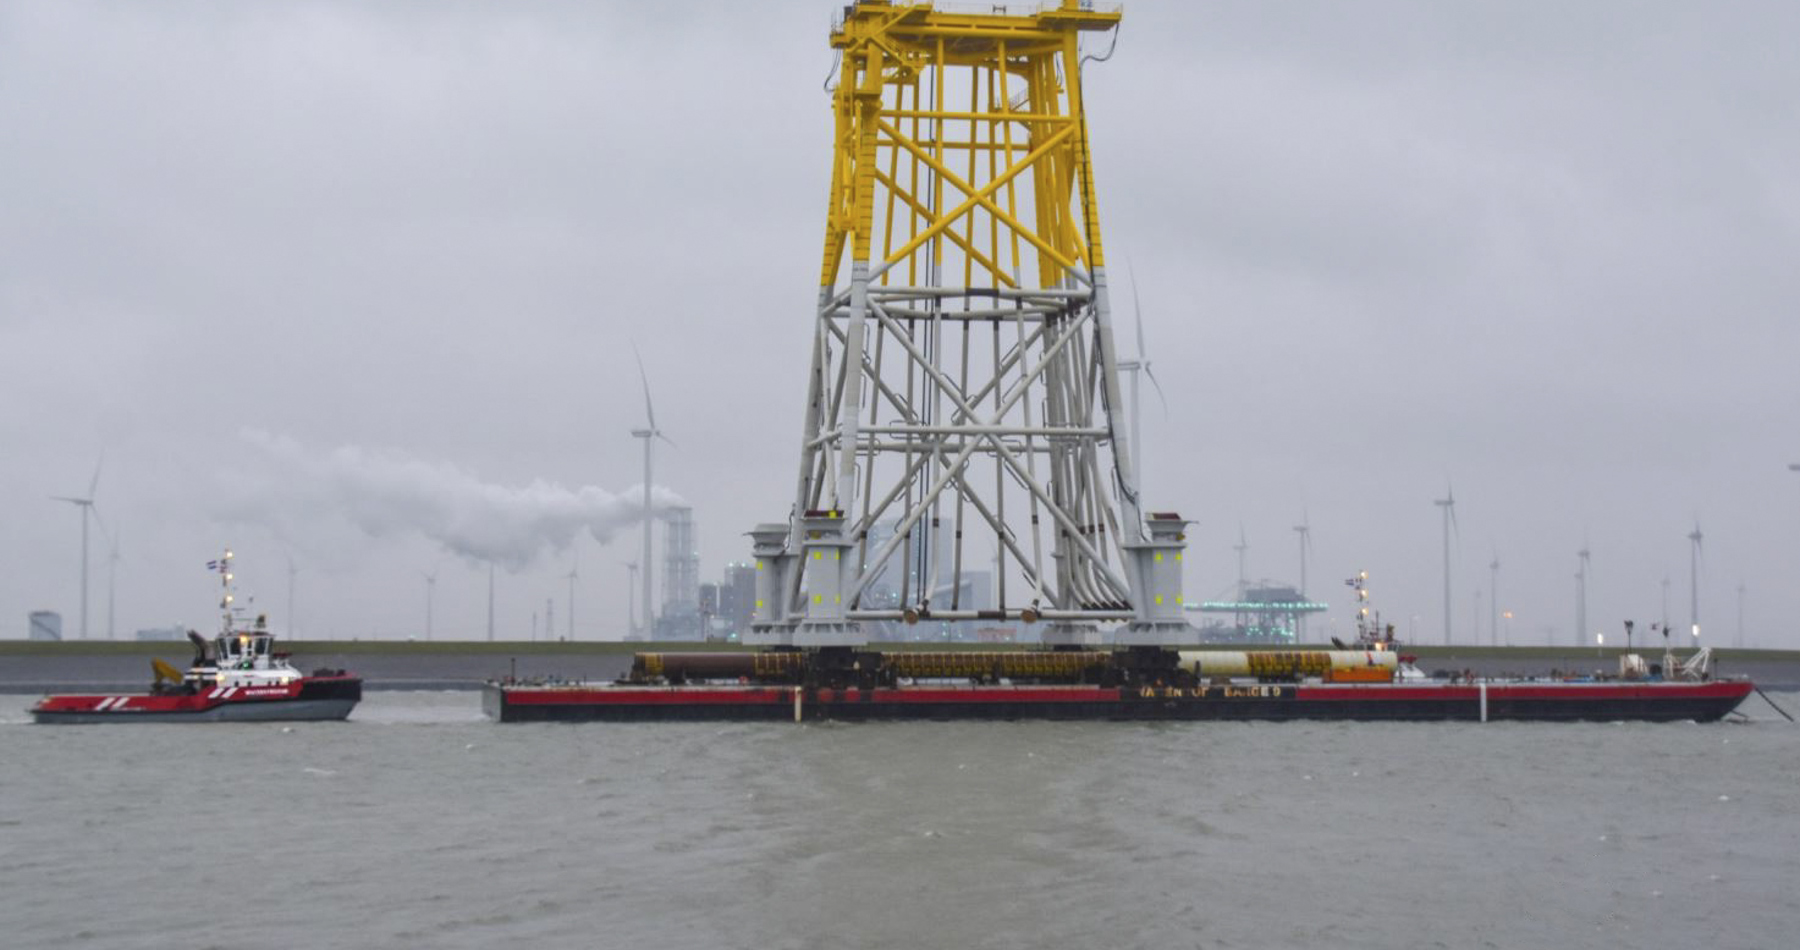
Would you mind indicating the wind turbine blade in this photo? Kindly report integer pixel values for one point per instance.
(658, 434)
(643, 377)
(1138, 309)
(95, 482)
(1156, 386)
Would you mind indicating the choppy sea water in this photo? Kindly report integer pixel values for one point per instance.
(419, 824)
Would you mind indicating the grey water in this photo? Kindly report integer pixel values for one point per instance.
(419, 824)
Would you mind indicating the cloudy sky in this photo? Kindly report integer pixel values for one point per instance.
(354, 284)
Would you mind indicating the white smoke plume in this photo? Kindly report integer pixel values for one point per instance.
(384, 492)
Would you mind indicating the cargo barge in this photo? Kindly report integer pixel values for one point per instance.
(1130, 684)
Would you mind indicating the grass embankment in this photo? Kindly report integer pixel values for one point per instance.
(558, 648)
(1590, 653)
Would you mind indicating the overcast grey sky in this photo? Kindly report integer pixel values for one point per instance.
(309, 274)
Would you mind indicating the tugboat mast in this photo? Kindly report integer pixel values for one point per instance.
(227, 596)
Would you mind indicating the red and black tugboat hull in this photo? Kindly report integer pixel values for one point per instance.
(1593, 702)
(310, 699)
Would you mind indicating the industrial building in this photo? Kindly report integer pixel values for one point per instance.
(681, 618)
(44, 625)
(1266, 613)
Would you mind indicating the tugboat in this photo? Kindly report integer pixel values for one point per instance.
(239, 677)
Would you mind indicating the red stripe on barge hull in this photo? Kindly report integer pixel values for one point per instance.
(1718, 689)
(655, 696)
(1517, 701)
(977, 694)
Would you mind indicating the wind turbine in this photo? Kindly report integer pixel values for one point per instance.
(1304, 529)
(490, 601)
(1134, 366)
(87, 508)
(1581, 578)
(1694, 579)
(1448, 503)
(430, 595)
(649, 434)
(574, 572)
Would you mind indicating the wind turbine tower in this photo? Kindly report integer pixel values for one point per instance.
(1242, 548)
(1694, 580)
(631, 570)
(1581, 578)
(1448, 503)
(574, 572)
(430, 595)
(86, 505)
(490, 601)
(1739, 616)
(1494, 607)
(292, 626)
(1740, 629)
(1304, 530)
(650, 433)
(112, 570)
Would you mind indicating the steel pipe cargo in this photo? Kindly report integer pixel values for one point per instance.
(712, 666)
(1284, 662)
(1037, 664)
